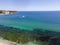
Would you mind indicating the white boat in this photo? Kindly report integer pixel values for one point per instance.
(23, 16)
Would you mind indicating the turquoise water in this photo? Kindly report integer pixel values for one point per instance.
(49, 20)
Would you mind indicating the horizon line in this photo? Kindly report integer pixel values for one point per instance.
(29, 10)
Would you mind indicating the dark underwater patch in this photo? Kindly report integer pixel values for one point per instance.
(24, 36)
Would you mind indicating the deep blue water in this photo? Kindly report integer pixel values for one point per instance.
(33, 19)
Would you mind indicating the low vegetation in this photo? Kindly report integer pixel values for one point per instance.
(24, 36)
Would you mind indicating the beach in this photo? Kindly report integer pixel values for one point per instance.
(7, 42)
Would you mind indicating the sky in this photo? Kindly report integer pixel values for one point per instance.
(30, 5)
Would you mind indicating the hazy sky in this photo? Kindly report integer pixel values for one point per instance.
(30, 5)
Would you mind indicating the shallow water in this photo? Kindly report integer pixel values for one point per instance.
(45, 20)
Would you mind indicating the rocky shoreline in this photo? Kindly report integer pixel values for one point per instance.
(7, 12)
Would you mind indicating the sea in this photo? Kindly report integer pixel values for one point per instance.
(29, 20)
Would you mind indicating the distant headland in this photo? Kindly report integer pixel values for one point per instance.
(7, 12)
